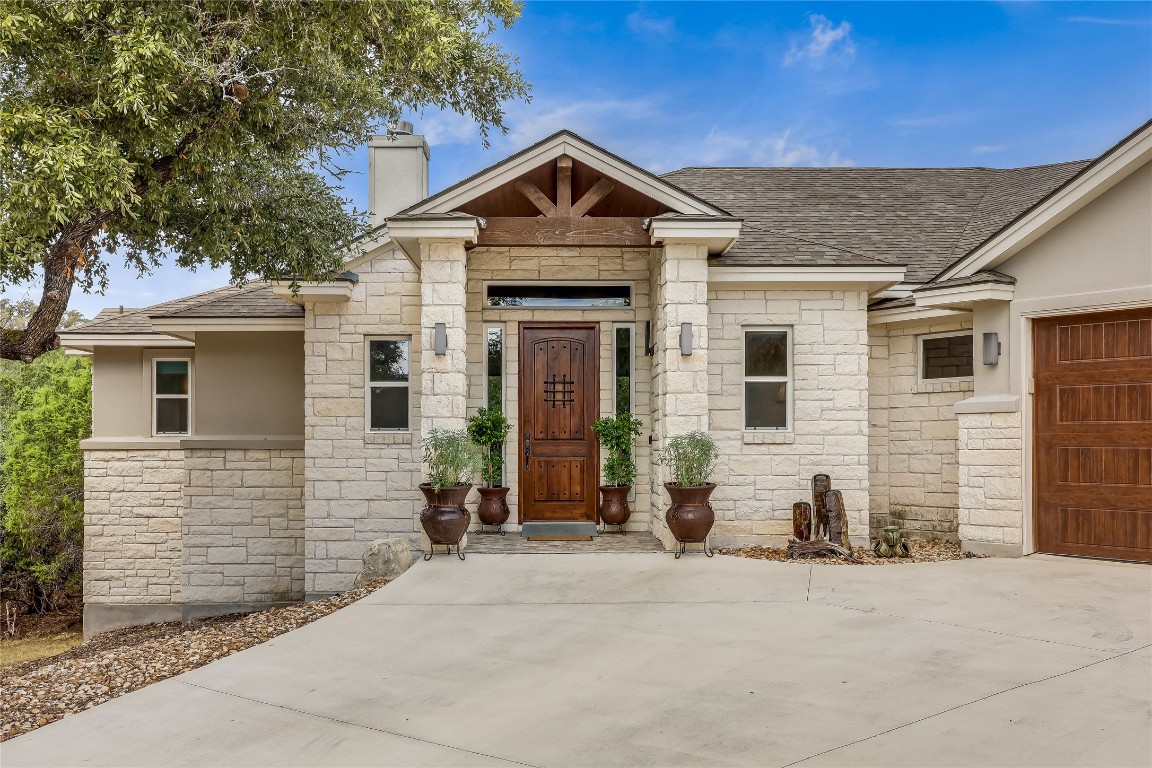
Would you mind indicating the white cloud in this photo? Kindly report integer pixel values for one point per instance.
(599, 121)
(770, 149)
(1108, 21)
(988, 149)
(825, 43)
(647, 25)
(447, 128)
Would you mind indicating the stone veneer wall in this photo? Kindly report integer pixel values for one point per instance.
(991, 483)
(761, 474)
(914, 471)
(358, 485)
(133, 501)
(561, 264)
(243, 527)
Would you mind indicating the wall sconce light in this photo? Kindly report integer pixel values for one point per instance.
(991, 348)
(685, 339)
(440, 339)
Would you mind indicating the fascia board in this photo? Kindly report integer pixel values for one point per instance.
(1083, 189)
(905, 315)
(964, 296)
(321, 293)
(88, 341)
(193, 324)
(875, 279)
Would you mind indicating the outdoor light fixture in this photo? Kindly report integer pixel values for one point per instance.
(991, 348)
(685, 339)
(440, 339)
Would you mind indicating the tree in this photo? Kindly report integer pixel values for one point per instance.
(45, 411)
(207, 129)
(14, 315)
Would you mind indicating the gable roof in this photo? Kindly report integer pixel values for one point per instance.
(565, 143)
(250, 300)
(922, 218)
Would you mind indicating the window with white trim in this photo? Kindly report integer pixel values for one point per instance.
(767, 378)
(171, 396)
(388, 391)
(624, 367)
(945, 356)
(494, 367)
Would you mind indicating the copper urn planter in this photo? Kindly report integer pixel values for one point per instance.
(614, 509)
(445, 519)
(493, 508)
(690, 517)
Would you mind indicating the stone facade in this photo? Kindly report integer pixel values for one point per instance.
(991, 483)
(761, 474)
(243, 527)
(913, 465)
(133, 503)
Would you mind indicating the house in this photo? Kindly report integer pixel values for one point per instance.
(966, 351)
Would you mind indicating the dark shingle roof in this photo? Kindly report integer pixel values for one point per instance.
(976, 278)
(251, 300)
(924, 218)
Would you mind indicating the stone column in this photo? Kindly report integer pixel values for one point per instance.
(443, 378)
(991, 515)
(679, 382)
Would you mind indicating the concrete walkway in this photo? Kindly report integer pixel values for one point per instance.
(638, 659)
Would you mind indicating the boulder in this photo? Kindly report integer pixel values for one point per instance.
(384, 559)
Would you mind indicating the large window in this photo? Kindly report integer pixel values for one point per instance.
(494, 364)
(562, 296)
(623, 365)
(946, 356)
(388, 386)
(171, 396)
(768, 378)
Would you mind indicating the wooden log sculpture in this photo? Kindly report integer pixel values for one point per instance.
(802, 521)
(821, 484)
(837, 519)
(798, 550)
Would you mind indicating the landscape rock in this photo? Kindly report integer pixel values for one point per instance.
(384, 559)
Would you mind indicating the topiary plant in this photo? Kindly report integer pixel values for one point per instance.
(452, 458)
(618, 434)
(692, 458)
(488, 429)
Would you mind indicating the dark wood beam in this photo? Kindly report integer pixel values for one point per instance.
(537, 198)
(563, 186)
(598, 192)
(584, 231)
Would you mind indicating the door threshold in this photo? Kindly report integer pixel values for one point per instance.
(559, 530)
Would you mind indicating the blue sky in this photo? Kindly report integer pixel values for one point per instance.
(667, 85)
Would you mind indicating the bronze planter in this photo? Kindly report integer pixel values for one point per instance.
(445, 518)
(493, 509)
(614, 504)
(690, 516)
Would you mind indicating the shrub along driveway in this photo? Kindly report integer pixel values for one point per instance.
(638, 659)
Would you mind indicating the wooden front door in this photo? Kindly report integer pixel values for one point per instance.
(559, 396)
(1093, 435)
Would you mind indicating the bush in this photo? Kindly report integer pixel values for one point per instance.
(489, 429)
(45, 411)
(452, 458)
(618, 434)
(692, 457)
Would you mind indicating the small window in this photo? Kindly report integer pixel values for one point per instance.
(171, 396)
(768, 378)
(567, 295)
(946, 356)
(494, 351)
(388, 386)
(623, 363)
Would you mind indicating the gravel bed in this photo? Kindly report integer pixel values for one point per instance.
(922, 552)
(111, 664)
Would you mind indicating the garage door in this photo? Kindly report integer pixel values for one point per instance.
(1093, 435)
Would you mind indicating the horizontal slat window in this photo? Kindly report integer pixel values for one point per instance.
(946, 356)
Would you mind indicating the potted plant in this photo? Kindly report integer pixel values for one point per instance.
(453, 461)
(488, 429)
(618, 435)
(692, 459)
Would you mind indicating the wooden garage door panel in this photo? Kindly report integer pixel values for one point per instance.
(1093, 435)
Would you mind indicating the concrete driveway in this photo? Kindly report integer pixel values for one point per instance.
(638, 659)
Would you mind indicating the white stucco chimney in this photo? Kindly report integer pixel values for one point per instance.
(397, 171)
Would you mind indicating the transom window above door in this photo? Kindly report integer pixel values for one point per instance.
(557, 295)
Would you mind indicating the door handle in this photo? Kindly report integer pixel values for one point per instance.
(527, 450)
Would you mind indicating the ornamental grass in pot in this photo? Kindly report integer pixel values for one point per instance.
(488, 429)
(618, 436)
(692, 459)
(453, 461)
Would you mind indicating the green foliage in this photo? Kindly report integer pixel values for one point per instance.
(452, 458)
(692, 458)
(210, 129)
(488, 429)
(618, 434)
(15, 314)
(45, 411)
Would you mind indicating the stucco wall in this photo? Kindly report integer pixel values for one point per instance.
(762, 473)
(913, 454)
